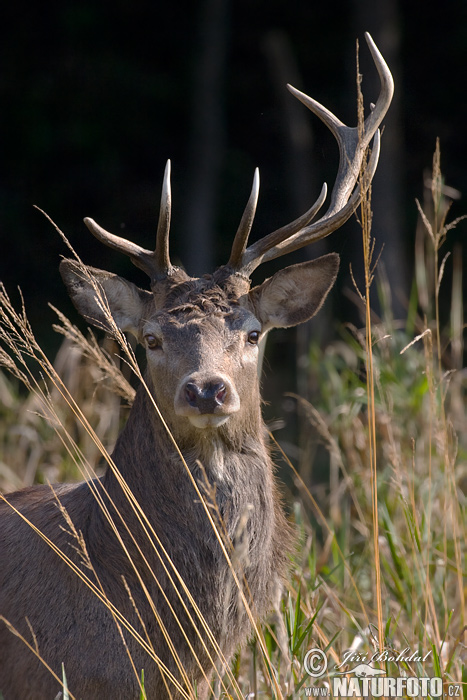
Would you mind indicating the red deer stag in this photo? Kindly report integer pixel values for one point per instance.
(201, 339)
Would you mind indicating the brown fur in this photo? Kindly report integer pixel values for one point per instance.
(203, 328)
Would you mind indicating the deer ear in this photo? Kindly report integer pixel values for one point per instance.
(125, 301)
(293, 295)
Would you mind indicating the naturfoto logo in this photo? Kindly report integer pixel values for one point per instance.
(364, 680)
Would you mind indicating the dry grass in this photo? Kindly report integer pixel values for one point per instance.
(52, 395)
(388, 569)
(381, 558)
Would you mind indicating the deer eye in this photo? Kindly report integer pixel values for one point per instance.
(152, 343)
(253, 337)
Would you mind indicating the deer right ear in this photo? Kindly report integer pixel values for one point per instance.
(92, 291)
(293, 295)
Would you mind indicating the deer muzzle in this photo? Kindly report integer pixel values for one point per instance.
(206, 402)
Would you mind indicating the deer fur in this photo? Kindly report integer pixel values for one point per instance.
(202, 328)
(201, 338)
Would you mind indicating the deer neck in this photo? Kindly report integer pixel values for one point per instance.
(180, 492)
(146, 449)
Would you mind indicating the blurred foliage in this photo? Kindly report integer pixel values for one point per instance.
(420, 418)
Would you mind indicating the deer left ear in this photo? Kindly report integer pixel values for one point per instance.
(293, 295)
(125, 301)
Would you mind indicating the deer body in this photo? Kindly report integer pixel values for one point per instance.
(214, 538)
(210, 320)
(53, 597)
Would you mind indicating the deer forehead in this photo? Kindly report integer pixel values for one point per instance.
(190, 323)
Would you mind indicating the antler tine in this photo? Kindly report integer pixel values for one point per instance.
(387, 88)
(162, 257)
(155, 263)
(142, 258)
(352, 144)
(274, 239)
(246, 222)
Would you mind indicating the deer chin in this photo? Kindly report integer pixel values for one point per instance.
(208, 420)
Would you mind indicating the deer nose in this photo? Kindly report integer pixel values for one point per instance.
(205, 398)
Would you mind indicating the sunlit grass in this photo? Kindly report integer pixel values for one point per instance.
(380, 556)
(52, 394)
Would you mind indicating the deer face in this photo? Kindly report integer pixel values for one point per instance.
(203, 363)
(211, 382)
(201, 335)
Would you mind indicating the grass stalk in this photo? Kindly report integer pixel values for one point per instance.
(368, 250)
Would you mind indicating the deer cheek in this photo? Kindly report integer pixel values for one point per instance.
(162, 382)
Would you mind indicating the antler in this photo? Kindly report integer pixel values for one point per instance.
(353, 143)
(155, 263)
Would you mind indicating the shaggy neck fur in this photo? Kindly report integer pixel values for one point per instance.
(235, 478)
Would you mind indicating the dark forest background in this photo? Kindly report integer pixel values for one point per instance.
(95, 96)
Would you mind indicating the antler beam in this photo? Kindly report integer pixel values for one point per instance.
(353, 143)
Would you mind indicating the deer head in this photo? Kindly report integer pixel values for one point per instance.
(201, 334)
